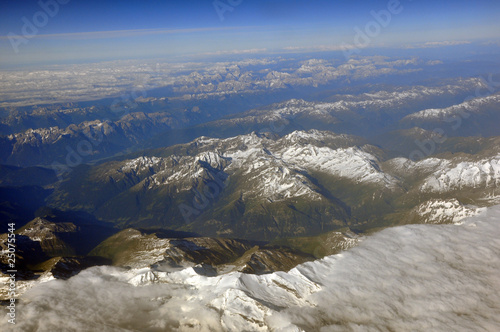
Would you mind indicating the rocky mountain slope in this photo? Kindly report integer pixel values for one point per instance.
(262, 186)
(85, 141)
(250, 184)
(49, 237)
(137, 249)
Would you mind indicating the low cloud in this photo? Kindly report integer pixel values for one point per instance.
(410, 278)
(235, 52)
(319, 48)
(439, 44)
(123, 33)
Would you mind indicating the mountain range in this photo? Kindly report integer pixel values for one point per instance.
(248, 173)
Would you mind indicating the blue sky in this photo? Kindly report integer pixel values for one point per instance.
(94, 30)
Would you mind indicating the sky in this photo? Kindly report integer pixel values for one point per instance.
(71, 31)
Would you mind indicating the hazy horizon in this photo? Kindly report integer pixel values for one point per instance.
(48, 32)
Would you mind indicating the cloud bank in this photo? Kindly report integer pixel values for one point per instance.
(410, 278)
(439, 44)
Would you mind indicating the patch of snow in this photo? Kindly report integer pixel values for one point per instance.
(446, 211)
(466, 174)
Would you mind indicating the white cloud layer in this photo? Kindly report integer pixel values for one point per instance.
(439, 44)
(410, 278)
(128, 79)
(122, 33)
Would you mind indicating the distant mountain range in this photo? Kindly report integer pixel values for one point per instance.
(364, 115)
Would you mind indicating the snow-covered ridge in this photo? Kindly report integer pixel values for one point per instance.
(368, 101)
(51, 134)
(470, 106)
(274, 167)
(445, 175)
(300, 150)
(407, 166)
(446, 211)
(464, 174)
(142, 163)
(351, 163)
